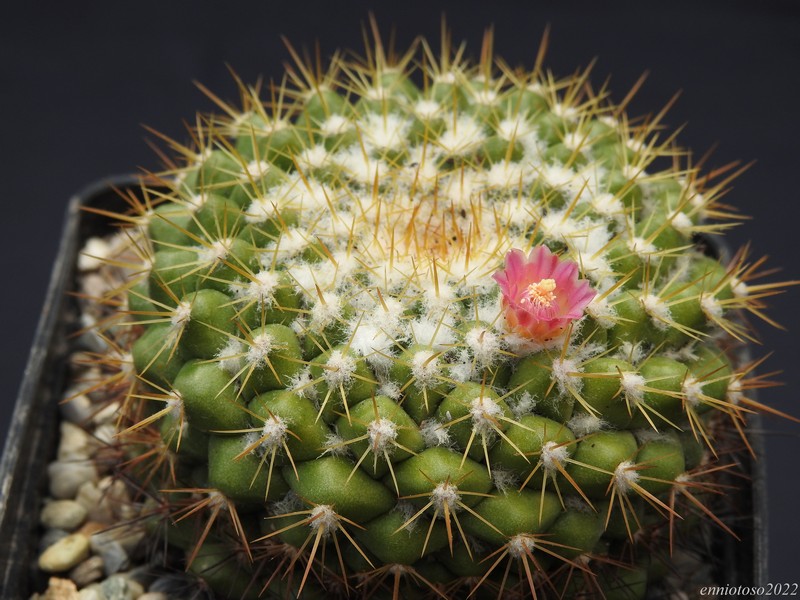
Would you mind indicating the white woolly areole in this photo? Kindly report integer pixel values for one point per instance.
(625, 476)
(584, 424)
(215, 251)
(217, 499)
(524, 405)
(339, 370)
(255, 169)
(553, 456)
(445, 494)
(335, 445)
(426, 109)
(602, 312)
(565, 373)
(327, 309)
(516, 128)
(484, 412)
(261, 288)
(274, 432)
(503, 479)
(434, 433)
(641, 247)
(323, 518)
(462, 136)
(633, 385)
(302, 384)
(658, 311)
(315, 157)
(521, 545)
(425, 368)
(333, 125)
(692, 390)
(431, 333)
(259, 349)
(230, 355)
(608, 205)
(181, 315)
(485, 346)
(384, 130)
(712, 308)
(682, 222)
(735, 391)
(739, 288)
(382, 433)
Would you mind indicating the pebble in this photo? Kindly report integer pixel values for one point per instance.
(67, 476)
(92, 498)
(60, 589)
(76, 407)
(63, 514)
(75, 443)
(50, 537)
(153, 596)
(93, 592)
(65, 554)
(89, 571)
(118, 587)
(112, 552)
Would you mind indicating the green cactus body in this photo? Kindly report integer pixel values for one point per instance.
(349, 382)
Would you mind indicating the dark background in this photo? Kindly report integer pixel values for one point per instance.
(78, 80)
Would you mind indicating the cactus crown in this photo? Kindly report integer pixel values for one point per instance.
(415, 326)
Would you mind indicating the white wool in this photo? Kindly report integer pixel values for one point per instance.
(323, 518)
(584, 424)
(712, 308)
(426, 109)
(553, 456)
(313, 158)
(427, 332)
(461, 137)
(215, 251)
(602, 312)
(181, 315)
(625, 477)
(339, 370)
(382, 434)
(255, 169)
(633, 385)
(230, 356)
(445, 494)
(334, 125)
(384, 131)
(504, 480)
(485, 413)
(521, 545)
(682, 223)
(641, 247)
(485, 346)
(425, 369)
(434, 433)
(508, 176)
(608, 205)
(692, 391)
(273, 433)
(514, 129)
(259, 350)
(326, 310)
(658, 311)
(360, 166)
(566, 375)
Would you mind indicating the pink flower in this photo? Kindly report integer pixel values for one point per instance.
(542, 294)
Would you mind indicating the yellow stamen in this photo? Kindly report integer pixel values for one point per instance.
(542, 293)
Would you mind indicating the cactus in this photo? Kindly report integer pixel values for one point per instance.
(419, 327)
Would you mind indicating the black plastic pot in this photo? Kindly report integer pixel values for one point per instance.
(32, 438)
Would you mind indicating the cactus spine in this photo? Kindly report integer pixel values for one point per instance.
(418, 327)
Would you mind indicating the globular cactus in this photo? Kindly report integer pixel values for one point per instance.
(418, 327)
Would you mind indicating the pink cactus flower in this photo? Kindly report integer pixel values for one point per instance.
(542, 294)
